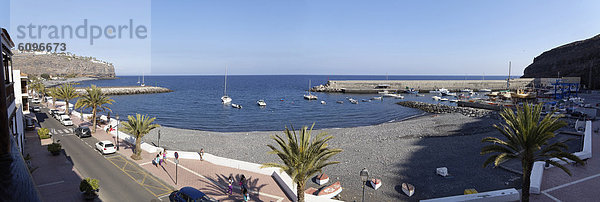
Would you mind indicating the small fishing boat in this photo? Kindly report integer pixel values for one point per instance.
(436, 97)
(353, 101)
(408, 189)
(322, 179)
(323, 102)
(236, 106)
(443, 99)
(375, 183)
(399, 97)
(383, 92)
(261, 103)
(377, 98)
(365, 100)
(331, 190)
(420, 95)
(454, 100)
(340, 102)
(485, 90)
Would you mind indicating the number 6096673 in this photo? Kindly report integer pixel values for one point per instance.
(48, 47)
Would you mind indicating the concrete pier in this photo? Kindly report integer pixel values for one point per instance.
(129, 90)
(374, 86)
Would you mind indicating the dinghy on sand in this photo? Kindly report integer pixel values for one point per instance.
(408, 189)
(322, 179)
(375, 183)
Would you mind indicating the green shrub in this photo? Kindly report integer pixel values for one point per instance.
(43, 133)
(54, 148)
(45, 76)
(89, 186)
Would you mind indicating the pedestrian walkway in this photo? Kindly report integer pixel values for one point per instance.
(207, 177)
(582, 186)
(54, 176)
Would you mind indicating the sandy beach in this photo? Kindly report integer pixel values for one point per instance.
(406, 151)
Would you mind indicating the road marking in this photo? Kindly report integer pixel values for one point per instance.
(143, 172)
(551, 197)
(51, 183)
(223, 186)
(142, 164)
(572, 183)
(161, 197)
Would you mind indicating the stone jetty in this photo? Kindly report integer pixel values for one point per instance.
(129, 90)
(374, 86)
(442, 109)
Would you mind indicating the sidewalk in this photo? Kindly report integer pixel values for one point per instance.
(55, 176)
(204, 176)
(582, 186)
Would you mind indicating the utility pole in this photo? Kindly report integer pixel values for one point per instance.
(508, 80)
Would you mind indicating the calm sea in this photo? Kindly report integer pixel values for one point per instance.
(196, 104)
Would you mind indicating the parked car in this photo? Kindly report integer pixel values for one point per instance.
(35, 101)
(52, 111)
(189, 194)
(83, 132)
(29, 124)
(57, 114)
(48, 99)
(66, 120)
(106, 147)
(35, 109)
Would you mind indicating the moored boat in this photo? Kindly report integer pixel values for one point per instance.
(261, 103)
(323, 102)
(236, 106)
(310, 96)
(340, 102)
(443, 99)
(331, 190)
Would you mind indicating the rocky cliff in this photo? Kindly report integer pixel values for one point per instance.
(570, 60)
(61, 64)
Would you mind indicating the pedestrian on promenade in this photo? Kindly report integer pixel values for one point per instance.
(230, 182)
(245, 194)
(165, 156)
(156, 161)
(159, 158)
(243, 181)
(202, 154)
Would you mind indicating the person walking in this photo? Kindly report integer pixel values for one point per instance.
(245, 194)
(159, 159)
(243, 181)
(230, 182)
(156, 161)
(164, 155)
(202, 154)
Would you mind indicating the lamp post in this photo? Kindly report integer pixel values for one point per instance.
(364, 176)
(117, 117)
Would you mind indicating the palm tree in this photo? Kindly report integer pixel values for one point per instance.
(139, 126)
(301, 156)
(95, 99)
(527, 135)
(52, 92)
(66, 92)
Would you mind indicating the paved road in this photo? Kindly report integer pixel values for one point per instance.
(114, 184)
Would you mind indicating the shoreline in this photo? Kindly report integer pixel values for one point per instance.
(386, 149)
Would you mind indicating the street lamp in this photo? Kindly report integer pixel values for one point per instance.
(364, 176)
(117, 117)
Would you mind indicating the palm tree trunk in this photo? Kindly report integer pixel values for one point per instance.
(138, 148)
(527, 166)
(300, 191)
(93, 119)
(67, 107)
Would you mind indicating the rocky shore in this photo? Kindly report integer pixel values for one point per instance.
(441, 109)
(396, 152)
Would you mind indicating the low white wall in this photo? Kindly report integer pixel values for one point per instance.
(537, 174)
(491, 196)
(586, 152)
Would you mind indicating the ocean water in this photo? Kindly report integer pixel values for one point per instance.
(196, 102)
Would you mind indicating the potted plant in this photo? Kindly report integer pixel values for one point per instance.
(89, 187)
(54, 148)
(43, 133)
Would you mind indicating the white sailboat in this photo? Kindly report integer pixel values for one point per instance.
(309, 96)
(143, 84)
(225, 99)
(138, 79)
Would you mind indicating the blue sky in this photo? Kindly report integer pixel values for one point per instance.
(335, 37)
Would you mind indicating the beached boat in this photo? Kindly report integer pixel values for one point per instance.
(331, 190)
(309, 96)
(225, 99)
(375, 183)
(322, 179)
(408, 189)
(261, 103)
(236, 106)
(323, 102)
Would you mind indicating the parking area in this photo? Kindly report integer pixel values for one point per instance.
(139, 175)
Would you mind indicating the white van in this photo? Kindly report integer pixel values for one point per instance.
(66, 120)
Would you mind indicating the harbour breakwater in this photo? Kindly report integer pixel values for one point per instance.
(374, 86)
(442, 109)
(129, 90)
